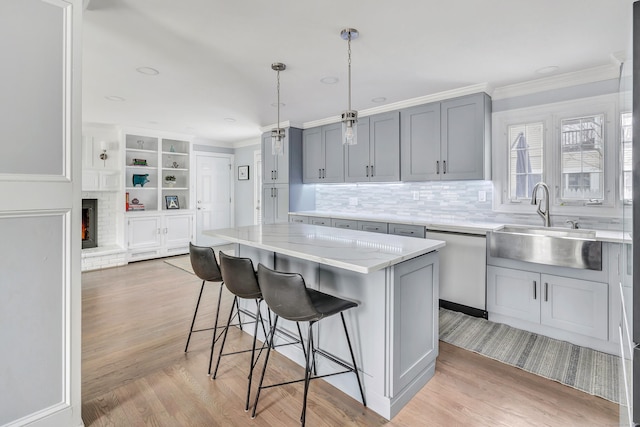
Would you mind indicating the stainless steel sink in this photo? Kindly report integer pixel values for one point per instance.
(545, 245)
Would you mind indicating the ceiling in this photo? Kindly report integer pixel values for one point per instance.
(214, 56)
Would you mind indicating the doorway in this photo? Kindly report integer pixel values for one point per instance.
(214, 195)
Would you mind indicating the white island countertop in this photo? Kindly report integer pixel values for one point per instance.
(358, 251)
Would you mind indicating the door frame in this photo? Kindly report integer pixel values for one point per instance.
(257, 187)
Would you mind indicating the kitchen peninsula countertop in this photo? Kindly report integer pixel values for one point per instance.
(347, 249)
(468, 227)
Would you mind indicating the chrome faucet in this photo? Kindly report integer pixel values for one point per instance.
(534, 201)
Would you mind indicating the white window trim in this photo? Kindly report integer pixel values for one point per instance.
(551, 115)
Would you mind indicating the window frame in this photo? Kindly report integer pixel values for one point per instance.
(551, 115)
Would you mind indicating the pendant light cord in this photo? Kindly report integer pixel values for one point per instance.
(349, 62)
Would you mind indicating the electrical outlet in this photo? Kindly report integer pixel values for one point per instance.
(482, 196)
(416, 195)
(353, 201)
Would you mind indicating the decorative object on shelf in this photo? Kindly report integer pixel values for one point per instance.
(140, 144)
(170, 180)
(140, 179)
(135, 205)
(126, 203)
(140, 162)
(171, 202)
(277, 134)
(175, 165)
(172, 149)
(243, 173)
(349, 117)
(103, 155)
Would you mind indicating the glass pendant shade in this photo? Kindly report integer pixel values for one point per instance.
(350, 127)
(277, 142)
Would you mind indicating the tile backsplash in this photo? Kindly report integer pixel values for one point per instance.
(462, 201)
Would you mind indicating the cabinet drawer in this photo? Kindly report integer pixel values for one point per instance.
(374, 227)
(319, 221)
(299, 219)
(344, 223)
(407, 230)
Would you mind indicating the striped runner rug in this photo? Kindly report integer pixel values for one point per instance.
(588, 370)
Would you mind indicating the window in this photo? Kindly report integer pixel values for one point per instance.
(525, 159)
(582, 154)
(627, 190)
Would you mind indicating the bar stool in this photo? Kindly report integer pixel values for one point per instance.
(205, 266)
(288, 297)
(240, 279)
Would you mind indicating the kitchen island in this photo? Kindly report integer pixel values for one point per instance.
(394, 279)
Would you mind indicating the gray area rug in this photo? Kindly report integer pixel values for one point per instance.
(588, 370)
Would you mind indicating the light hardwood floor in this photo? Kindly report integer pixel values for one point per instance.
(135, 372)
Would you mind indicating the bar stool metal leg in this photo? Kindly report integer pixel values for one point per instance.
(193, 322)
(353, 359)
(215, 327)
(264, 368)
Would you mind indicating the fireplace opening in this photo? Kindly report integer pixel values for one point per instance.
(89, 223)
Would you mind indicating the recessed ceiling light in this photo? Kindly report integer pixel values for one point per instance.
(275, 104)
(547, 70)
(229, 119)
(114, 98)
(148, 71)
(379, 99)
(329, 80)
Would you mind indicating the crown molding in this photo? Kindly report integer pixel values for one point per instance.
(248, 142)
(284, 125)
(467, 90)
(576, 78)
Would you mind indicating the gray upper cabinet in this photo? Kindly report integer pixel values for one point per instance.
(448, 140)
(275, 169)
(323, 154)
(376, 156)
(420, 142)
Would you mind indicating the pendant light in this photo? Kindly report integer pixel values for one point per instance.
(277, 134)
(349, 117)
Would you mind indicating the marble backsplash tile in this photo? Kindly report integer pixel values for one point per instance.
(442, 201)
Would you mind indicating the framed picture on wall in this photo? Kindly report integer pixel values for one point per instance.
(243, 173)
(171, 202)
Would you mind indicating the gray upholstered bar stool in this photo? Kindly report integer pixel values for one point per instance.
(205, 266)
(240, 279)
(288, 297)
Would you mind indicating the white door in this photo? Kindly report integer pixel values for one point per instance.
(257, 188)
(40, 212)
(214, 195)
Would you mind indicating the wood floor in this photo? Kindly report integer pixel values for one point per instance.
(135, 372)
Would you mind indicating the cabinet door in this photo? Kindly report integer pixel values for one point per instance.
(407, 230)
(268, 203)
(575, 305)
(356, 157)
(384, 146)
(344, 223)
(299, 219)
(268, 159)
(514, 293)
(177, 231)
(144, 232)
(312, 155)
(373, 227)
(281, 205)
(320, 221)
(333, 169)
(420, 142)
(462, 137)
(282, 162)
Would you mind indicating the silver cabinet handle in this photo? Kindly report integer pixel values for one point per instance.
(371, 170)
(535, 293)
(276, 174)
(324, 173)
(546, 292)
(319, 173)
(367, 171)
(444, 166)
(437, 167)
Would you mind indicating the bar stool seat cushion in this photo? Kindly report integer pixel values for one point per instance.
(328, 305)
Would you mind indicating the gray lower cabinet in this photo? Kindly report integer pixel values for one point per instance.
(376, 156)
(275, 203)
(447, 140)
(313, 220)
(407, 230)
(323, 154)
(299, 219)
(564, 303)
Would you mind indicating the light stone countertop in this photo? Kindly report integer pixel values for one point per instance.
(358, 251)
(480, 228)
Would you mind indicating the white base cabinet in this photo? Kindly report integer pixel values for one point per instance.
(562, 303)
(153, 236)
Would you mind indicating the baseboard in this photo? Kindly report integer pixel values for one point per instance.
(471, 311)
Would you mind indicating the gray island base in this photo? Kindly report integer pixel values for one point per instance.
(394, 280)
